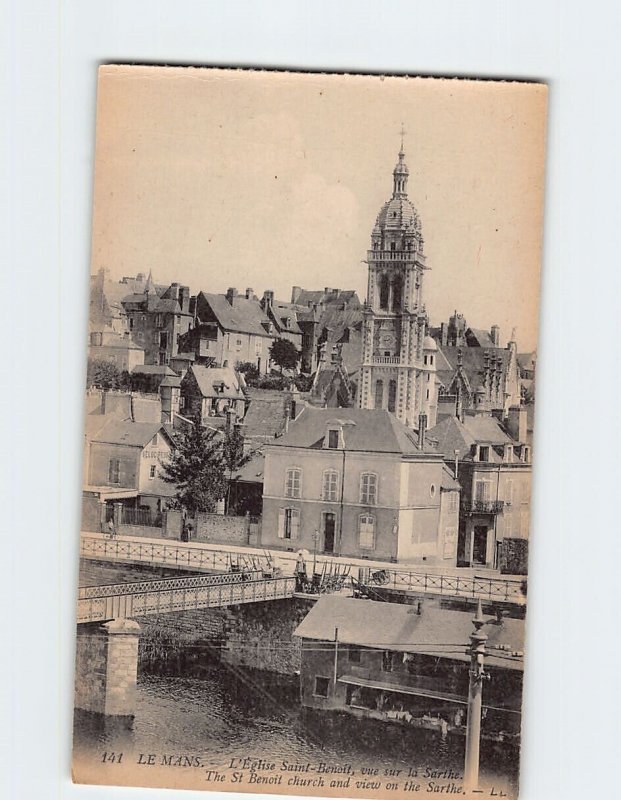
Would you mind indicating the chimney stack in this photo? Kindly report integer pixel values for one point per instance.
(231, 294)
(495, 334)
(296, 291)
(422, 430)
(249, 293)
(268, 299)
(443, 334)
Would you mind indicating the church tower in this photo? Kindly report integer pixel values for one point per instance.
(398, 358)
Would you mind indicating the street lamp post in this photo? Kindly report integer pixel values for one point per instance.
(475, 692)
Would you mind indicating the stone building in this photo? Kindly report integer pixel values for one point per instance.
(398, 357)
(495, 472)
(357, 482)
(211, 392)
(157, 322)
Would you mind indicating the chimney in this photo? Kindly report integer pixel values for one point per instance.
(296, 291)
(495, 334)
(184, 298)
(517, 423)
(287, 416)
(443, 334)
(231, 294)
(328, 290)
(268, 299)
(249, 293)
(174, 291)
(422, 430)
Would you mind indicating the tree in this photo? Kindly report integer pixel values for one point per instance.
(201, 466)
(285, 354)
(234, 456)
(249, 370)
(105, 375)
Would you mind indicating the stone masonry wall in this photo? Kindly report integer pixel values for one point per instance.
(90, 668)
(221, 529)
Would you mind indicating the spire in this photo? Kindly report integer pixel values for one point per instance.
(149, 287)
(400, 172)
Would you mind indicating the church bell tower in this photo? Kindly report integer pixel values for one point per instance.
(398, 369)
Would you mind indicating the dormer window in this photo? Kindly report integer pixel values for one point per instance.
(484, 453)
(333, 439)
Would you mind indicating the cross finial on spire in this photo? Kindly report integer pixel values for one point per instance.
(403, 132)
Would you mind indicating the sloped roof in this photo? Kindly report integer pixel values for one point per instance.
(481, 337)
(252, 472)
(265, 416)
(246, 316)
(153, 369)
(393, 626)
(307, 297)
(452, 434)
(364, 430)
(286, 316)
(448, 482)
(133, 434)
(208, 378)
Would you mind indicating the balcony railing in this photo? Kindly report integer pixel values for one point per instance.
(394, 255)
(386, 360)
(483, 506)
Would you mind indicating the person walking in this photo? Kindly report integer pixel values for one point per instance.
(300, 572)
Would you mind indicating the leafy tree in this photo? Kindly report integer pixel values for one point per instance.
(285, 354)
(249, 370)
(105, 375)
(201, 466)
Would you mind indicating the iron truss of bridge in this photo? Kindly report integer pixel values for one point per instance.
(145, 598)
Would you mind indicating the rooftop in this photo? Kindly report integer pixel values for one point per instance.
(364, 430)
(436, 631)
(133, 434)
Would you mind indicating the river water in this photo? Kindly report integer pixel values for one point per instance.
(221, 716)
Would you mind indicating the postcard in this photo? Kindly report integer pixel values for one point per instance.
(308, 444)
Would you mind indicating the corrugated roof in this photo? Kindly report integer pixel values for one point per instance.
(392, 626)
(246, 316)
(365, 430)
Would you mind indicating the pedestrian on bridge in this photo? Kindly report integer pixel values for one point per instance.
(300, 572)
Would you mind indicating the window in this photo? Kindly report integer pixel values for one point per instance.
(152, 471)
(293, 483)
(353, 654)
(484, 453)
(366, 532)
(288, 523)
(509, 492)
(163, 340)
(333, 440)
(238, 343)
(379, 394)
(431, 361)
(397, 293)
(424, 362)
(131, 323)
(114, 470)
(388, 660)
(159, 321)
(384, 291)
(432, 490)
(453, 504)
(322, 685)
(330, 485)
(392, 395)
(427, 395)
(368, 488)
(481, 491)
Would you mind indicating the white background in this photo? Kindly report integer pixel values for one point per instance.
(51, 52)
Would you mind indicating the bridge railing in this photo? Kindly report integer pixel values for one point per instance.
(166, 584)
(498, 589)
(171, 553)
(165, 601)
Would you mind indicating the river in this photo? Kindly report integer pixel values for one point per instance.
(221, 716)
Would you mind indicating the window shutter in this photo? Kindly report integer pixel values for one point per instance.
(281, 523)
(295, 524)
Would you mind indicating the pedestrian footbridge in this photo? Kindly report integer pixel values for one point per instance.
(145, 598)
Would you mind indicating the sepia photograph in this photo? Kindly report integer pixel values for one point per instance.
(309, 432)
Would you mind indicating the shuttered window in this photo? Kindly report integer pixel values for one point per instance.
(366, 532)
(293, 483)
(114, 470)
(288, 523)
(330, 485)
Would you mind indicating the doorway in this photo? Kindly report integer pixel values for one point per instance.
(329, 525)
(479, 545)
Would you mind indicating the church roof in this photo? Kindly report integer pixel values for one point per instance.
(473, 362)
(398, 214)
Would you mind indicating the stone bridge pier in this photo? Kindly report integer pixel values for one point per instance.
(107, 667)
